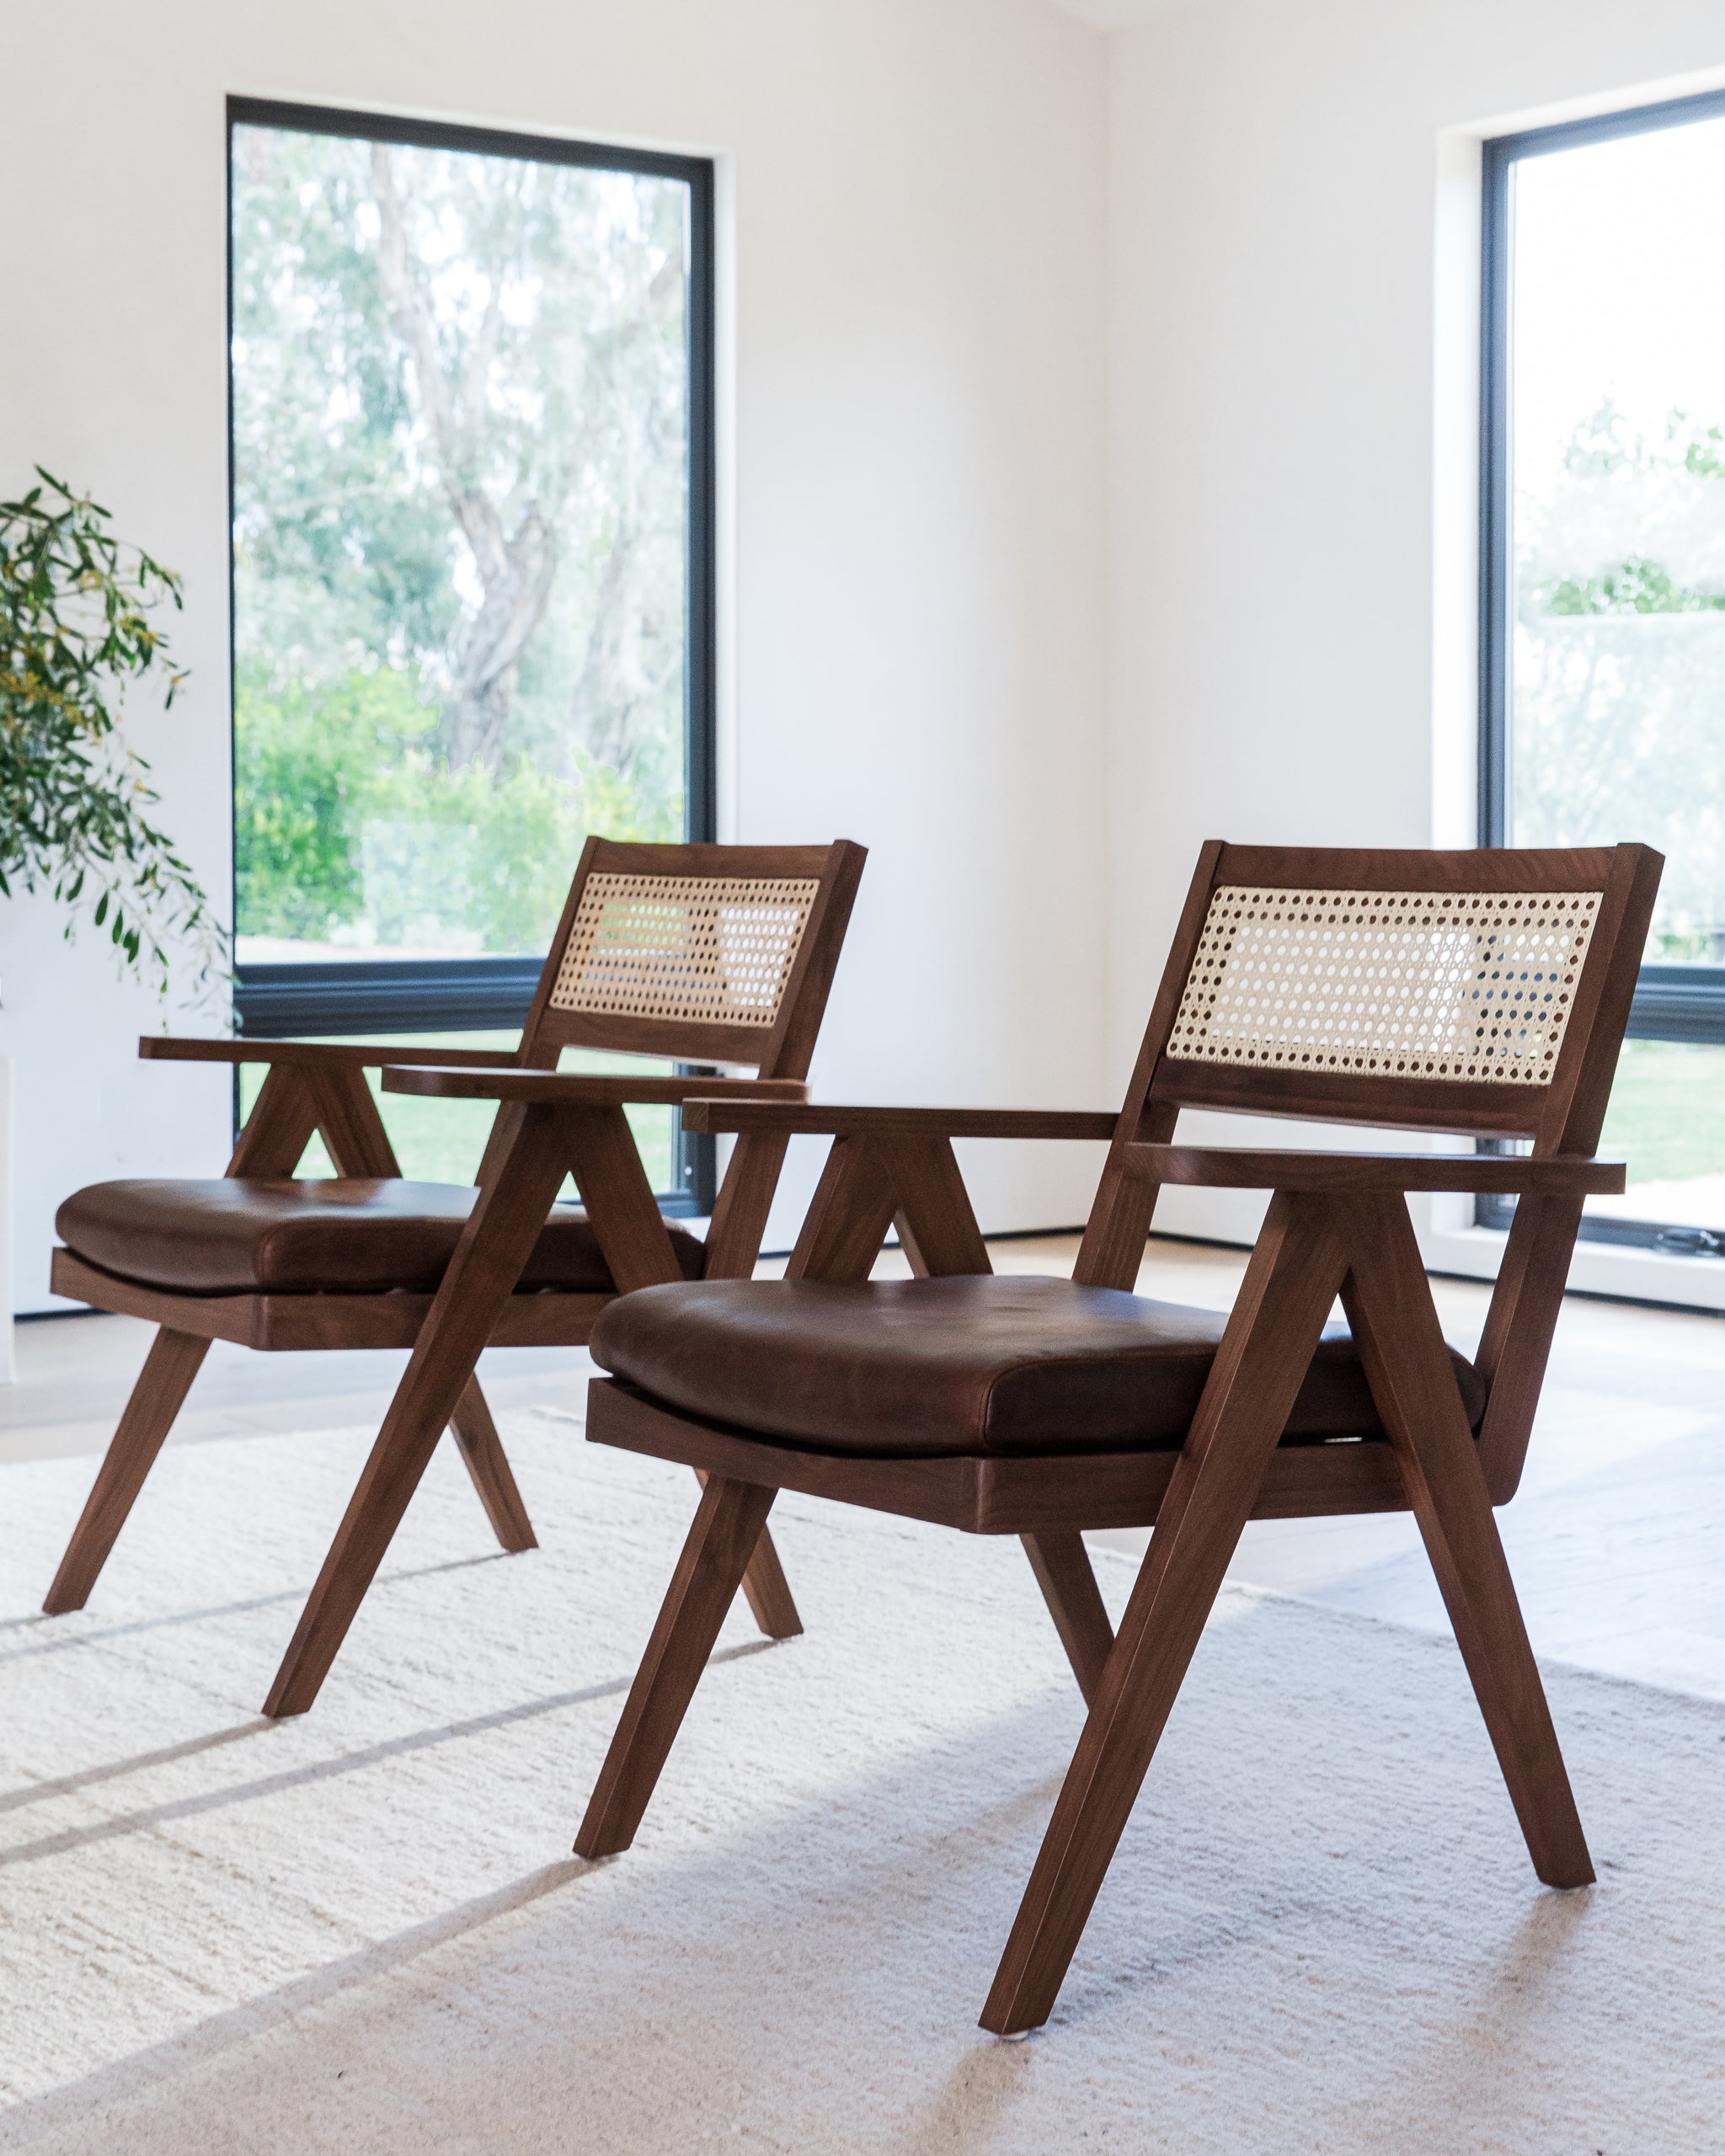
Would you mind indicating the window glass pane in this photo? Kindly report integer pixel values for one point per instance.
(441, 1141)
(1617, 682)
(1667, 1122)
(461, 469)
(1616, 665)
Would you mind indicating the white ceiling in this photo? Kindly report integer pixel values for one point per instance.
(1118, 14)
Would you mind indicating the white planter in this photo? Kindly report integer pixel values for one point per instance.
(8, 1367)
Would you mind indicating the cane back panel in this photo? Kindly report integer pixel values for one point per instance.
(686, 949)
(1449, 984)
(702, 953)
(1427, 990)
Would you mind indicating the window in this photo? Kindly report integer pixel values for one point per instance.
(471, 391)
(1603, 593)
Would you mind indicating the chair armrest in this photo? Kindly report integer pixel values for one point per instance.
(744, 1115)
(577, 1089)
(1244, 1168)
(352, 1055)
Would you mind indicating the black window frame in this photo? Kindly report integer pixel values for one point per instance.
(277, 1001)
(1672, 1003)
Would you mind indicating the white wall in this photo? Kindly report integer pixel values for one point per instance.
(916, 560)
(1293, 390)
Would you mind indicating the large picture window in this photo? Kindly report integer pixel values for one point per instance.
(472, 468)
(1603, 598)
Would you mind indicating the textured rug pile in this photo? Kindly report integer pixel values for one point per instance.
(363, 1931)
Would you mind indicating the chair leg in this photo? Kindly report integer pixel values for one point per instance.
(175, 1359)
(1395, 1324)
(1277, 1319)
(493, 1246)
(727, 1527)
(1062, 1569)
(482, 1452)
(768, 1591)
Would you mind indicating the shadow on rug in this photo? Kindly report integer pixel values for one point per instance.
(362, 1931)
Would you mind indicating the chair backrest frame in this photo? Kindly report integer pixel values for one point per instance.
(1562, 1113)
(805, 893)
(783, 1050)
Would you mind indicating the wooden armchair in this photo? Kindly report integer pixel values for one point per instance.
(710, 954)
(1476, 994)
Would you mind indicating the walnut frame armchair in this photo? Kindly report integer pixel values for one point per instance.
(1472, 994)
(710, 954)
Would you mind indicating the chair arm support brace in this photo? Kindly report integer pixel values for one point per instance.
(577, 1089)
(749, 1115)
(347, 1055)
(1245, 1168)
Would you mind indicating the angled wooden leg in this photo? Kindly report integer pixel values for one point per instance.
(1395, 1325)
(1062, 1569)
(638, 1252)
(494, 1246)
(356, 1141)
(848, 1216)
(728, 1526)
(937, 1230)
(1278, 1318)
(768, 1591)
(481, 1451)
(175, 1359)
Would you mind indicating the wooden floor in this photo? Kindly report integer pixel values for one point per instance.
(1617, 1540)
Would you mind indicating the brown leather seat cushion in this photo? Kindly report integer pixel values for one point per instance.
(346, 1235)
(975, 1365)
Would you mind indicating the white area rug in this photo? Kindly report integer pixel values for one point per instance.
(362, 1930)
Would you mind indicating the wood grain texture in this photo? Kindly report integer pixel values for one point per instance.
(741, 1112)
(621, 1207)
(175, 1359)
(1121, 1213)
(1062, 1568)
(989, 1494)
(741, 1207)
(728, 1523)
(487, 1466)
(1295, 1271)
(493, 1246)
(848, 1216)
(1407, 868)
(936, 1228)
(1441, 1105)
(299, 1324)
(358, 1144)
(1395, 1324)
(313, 1087)
(1336, 1221)
(626, 1218)
(282, 1123)
(1227, 1167)
(581, 1088)
(315, 1055)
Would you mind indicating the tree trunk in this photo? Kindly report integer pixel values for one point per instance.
(516, 568)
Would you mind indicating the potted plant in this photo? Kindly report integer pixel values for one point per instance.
(75, 797)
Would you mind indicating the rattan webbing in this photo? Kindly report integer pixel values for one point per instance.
(716, 950)
(1473, 986)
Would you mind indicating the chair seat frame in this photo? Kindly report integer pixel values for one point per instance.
(1336, 1224)
(549, 1125)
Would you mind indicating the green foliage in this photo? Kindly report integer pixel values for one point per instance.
(460, 490)
(309, 765)
(350, 824)
(1618, 730)
(73, 632)
(1635, 585)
